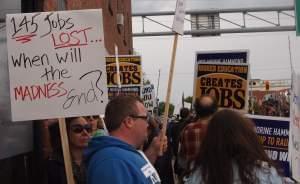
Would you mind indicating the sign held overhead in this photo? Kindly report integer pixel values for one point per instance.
(224, 75)
(178, 22)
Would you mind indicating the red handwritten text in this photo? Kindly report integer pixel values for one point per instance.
(24, 38)
(69, 39)
(37, 92)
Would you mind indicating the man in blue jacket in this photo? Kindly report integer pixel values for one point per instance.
(115, 159)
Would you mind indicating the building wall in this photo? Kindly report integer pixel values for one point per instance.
(121, 35)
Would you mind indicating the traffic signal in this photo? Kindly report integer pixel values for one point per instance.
(267, 85)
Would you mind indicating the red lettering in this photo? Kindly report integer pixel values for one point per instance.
(75, 37)
(64, 38)
(26, 93)
(35, 95)
(37, 92)
(51, 89)
(70, 39)
(53, 39)
(18, 92)
(62, 88)
(45, 92)
(85, 33)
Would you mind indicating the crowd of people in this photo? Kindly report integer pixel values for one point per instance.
(207, 145)
(274, 104)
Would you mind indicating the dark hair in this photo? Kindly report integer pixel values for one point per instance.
(230, 139)
(205, 106)
(55, 133)
(69, 121)
(153, 131)
(184, 112)
(118, 108)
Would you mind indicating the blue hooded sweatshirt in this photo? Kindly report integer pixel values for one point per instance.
(112, 161)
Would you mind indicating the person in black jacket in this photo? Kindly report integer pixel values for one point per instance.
(79, 133)
(175, 132)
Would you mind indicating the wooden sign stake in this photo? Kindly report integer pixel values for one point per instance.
(66, 150)
(169, 89)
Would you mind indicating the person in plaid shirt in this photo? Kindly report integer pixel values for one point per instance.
(193, 133)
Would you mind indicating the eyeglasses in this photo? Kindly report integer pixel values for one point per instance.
(79, 128)
(146, 118)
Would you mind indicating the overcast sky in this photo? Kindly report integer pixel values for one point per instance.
(159, 5)
(269, 58)
(269, 55)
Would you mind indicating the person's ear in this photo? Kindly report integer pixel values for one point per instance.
(128, 122)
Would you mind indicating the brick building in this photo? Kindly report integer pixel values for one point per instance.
(116, 14)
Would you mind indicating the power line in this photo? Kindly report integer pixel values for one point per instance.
(187, 37)
(192, 73)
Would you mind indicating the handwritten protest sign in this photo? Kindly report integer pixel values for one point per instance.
(273, 133)
(148, 96)
(54, 66)
(225, 78)
(130, 75)
(178, 22)
(294, 148)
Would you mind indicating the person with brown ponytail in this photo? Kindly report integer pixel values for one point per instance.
(232, 154)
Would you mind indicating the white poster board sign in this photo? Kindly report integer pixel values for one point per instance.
(294, 147)
(178, 22)
(56, 64)
(148, 96)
